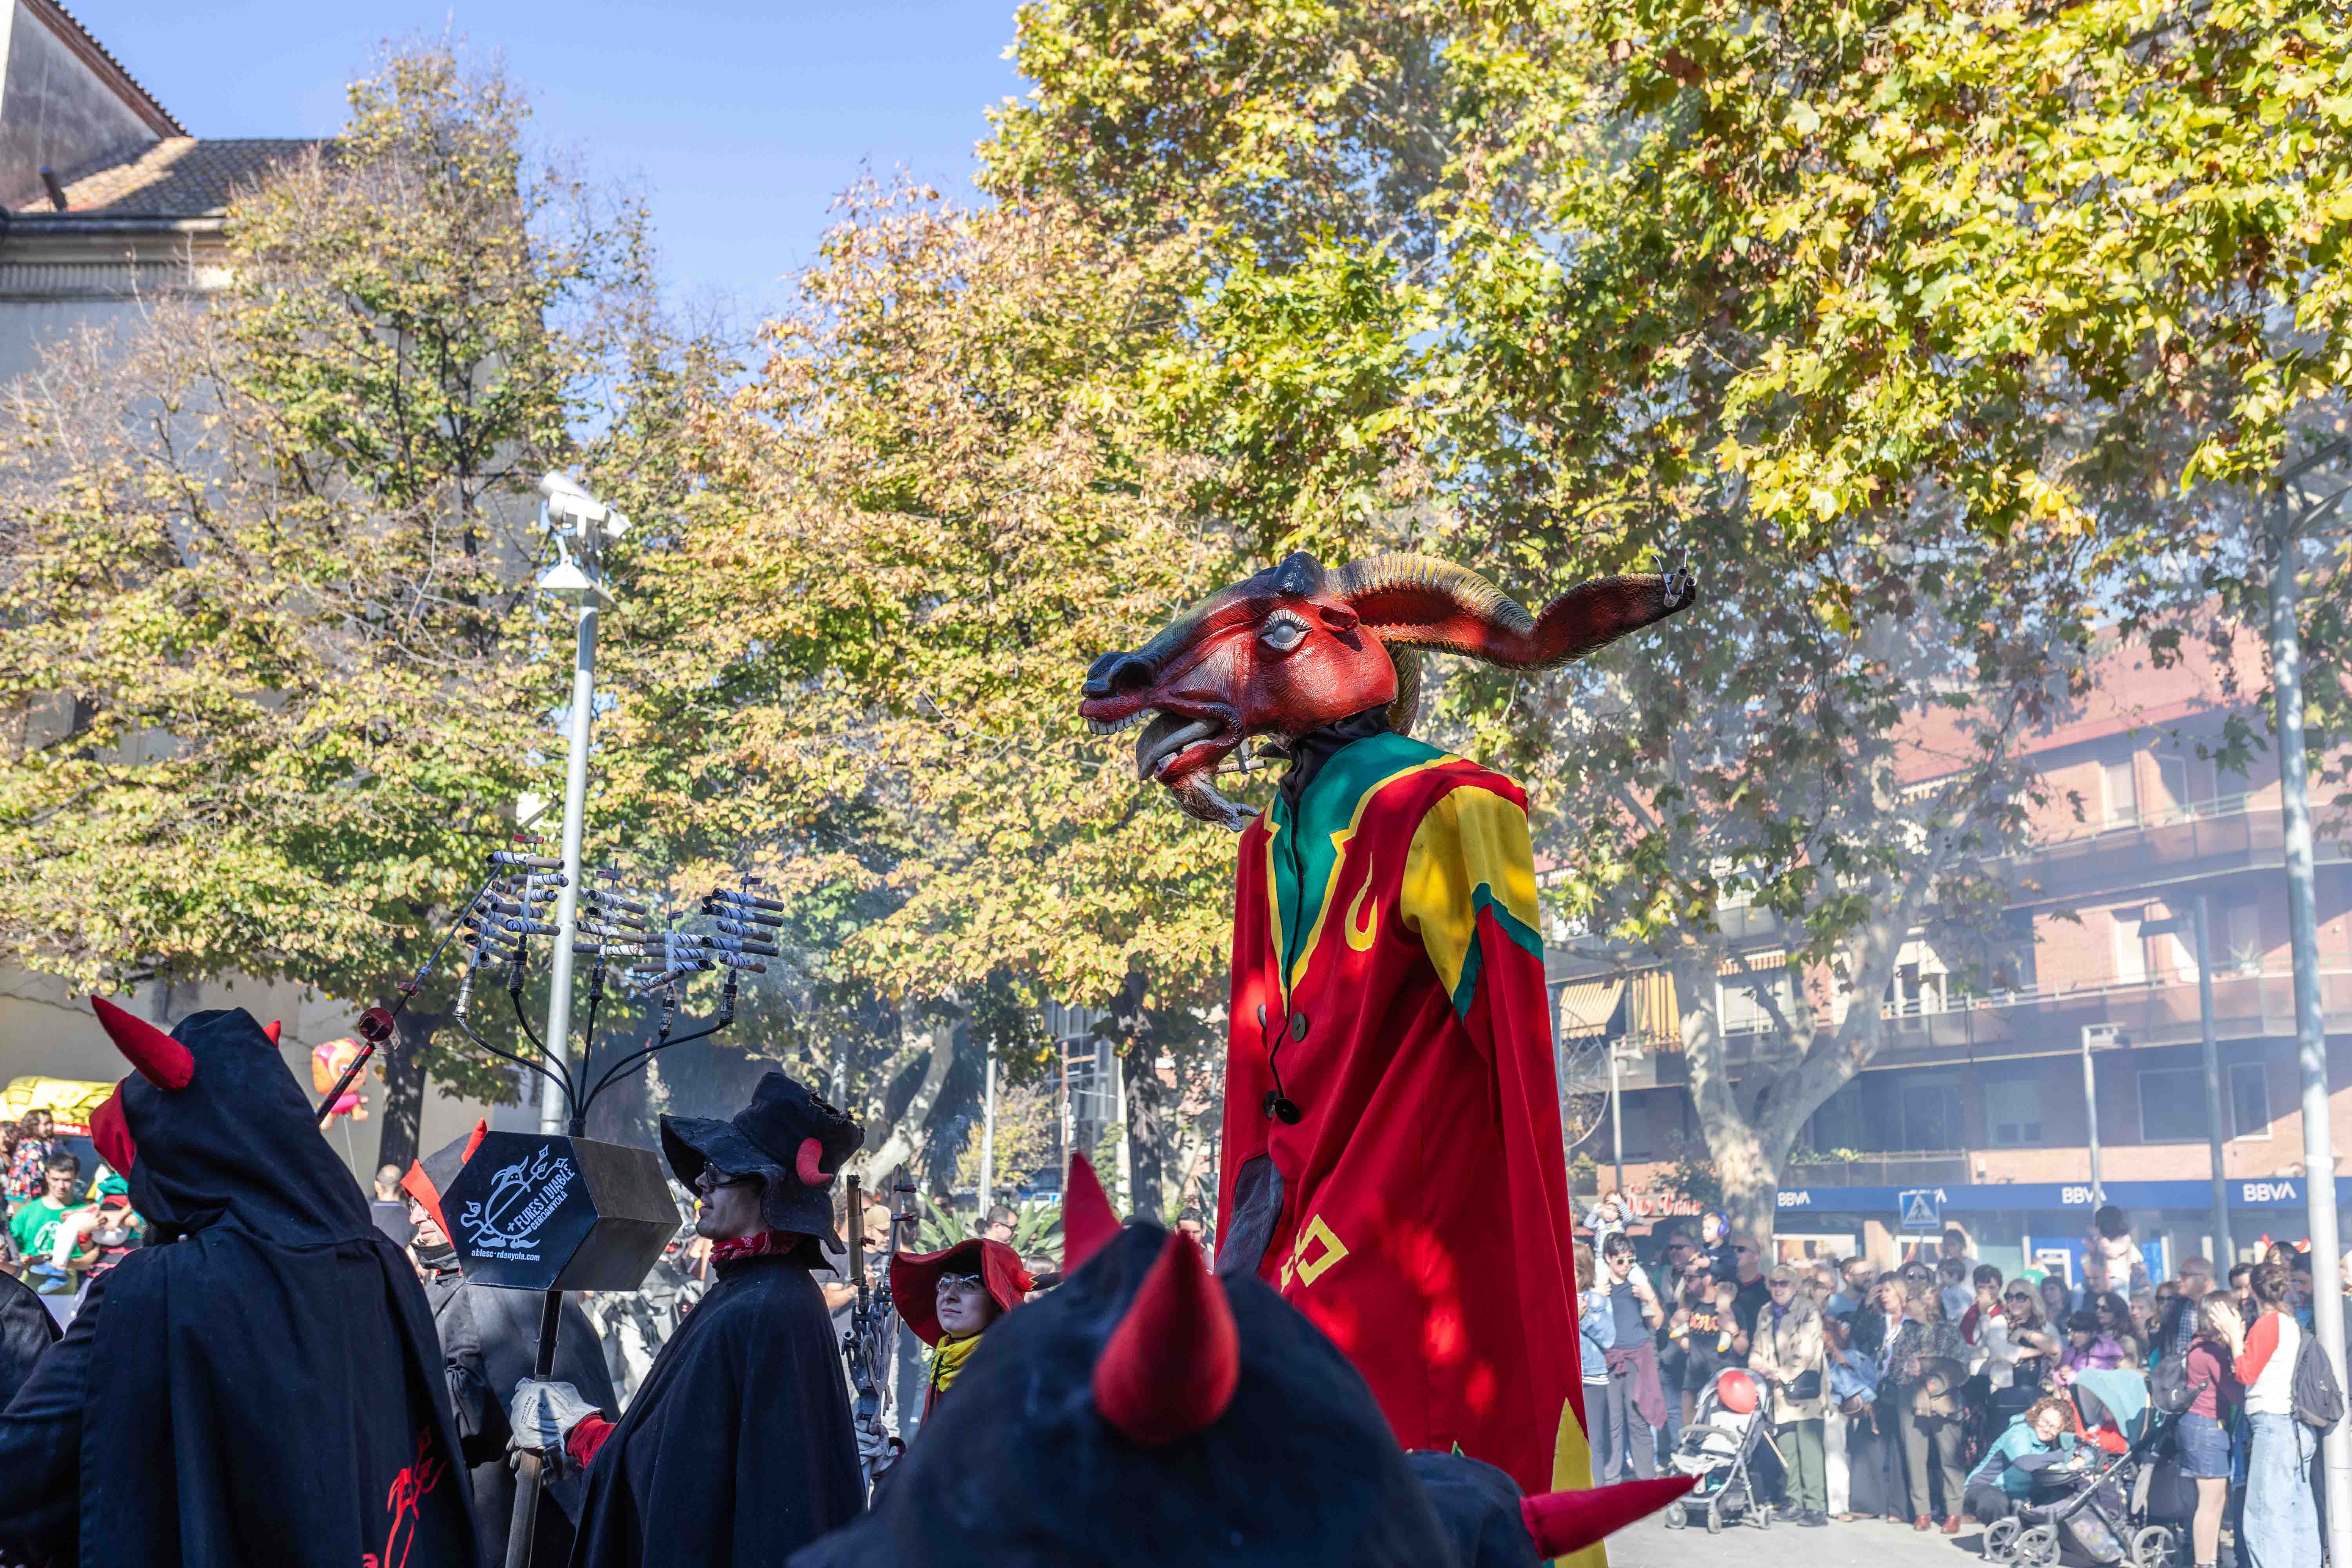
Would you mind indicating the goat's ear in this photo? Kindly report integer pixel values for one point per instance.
(1338, 617)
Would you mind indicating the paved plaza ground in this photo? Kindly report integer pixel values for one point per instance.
(1651, 1544)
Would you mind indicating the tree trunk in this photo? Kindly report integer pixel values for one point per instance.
(903, 1140)
(1745, 1161)
(401, 1059)
(1147, 1111)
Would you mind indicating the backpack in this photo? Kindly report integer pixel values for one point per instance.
(2318, 1403)
(2167, 1385)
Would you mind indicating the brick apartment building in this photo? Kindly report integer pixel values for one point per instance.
(1979, 1097)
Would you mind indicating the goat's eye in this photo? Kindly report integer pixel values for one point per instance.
(1284, 633)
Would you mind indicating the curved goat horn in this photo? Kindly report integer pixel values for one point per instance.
(1568, 1521)
(1089, 1222)
(1173, 1363)
(1418, 601)
(160, 1060)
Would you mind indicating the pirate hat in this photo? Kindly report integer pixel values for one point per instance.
(429, 1177)
(787, 1136)
(915, 1281)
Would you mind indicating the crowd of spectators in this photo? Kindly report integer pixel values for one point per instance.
(67, 1219)
(1938, 1394)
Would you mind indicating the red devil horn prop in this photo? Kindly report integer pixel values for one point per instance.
(806, 1167)
(1568, 1521)
(112, 1134)
(160, 1060)
(1173, 1361)
(1089, 1222)
(271, 1028)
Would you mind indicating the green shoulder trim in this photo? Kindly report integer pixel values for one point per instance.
(1304, 853)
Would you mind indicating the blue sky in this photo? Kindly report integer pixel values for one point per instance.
(739, 122)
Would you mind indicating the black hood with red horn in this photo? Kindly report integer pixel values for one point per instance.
(1146, 1412)
(222, 1131)
(1151, 1412)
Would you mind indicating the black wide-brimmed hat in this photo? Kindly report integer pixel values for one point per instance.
(787, 1136)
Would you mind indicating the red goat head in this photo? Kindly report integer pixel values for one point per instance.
(1297, 647)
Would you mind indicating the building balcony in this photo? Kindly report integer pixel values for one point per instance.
(2248, 1003)
(2176, 843)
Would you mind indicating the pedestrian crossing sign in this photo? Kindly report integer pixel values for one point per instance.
(1919, 1206)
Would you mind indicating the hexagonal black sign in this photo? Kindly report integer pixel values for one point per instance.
(535, 1211)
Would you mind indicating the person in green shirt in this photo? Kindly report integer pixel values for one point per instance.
(35, 1226)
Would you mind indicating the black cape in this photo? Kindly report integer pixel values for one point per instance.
(490, 1341)
(738, 1448)
(26, 1332)
(261, 1388)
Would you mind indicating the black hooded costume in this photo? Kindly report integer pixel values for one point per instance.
(738, 1447)
(489, 1342)
(28, 1329)
(1147, 1412)
(260, 1388)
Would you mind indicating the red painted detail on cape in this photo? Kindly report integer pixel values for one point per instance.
(1425, 1221)
(409, 1489)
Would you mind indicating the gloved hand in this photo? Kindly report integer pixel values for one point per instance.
(542, 1415)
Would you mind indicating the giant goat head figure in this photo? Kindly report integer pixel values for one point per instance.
(1298, 647)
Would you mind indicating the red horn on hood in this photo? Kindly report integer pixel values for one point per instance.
(806, 1167)
(1568, 1521)
(1173, 1363)
(270, 1028)
(1089, 1222)
(112, 1134)
(160, 1060)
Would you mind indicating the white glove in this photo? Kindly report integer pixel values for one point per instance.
(541, 1415)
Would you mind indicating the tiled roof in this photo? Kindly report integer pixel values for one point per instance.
(177, 178)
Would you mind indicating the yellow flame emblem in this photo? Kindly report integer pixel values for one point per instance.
(1360, 935)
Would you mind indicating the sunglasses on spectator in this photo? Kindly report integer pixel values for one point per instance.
(2020, 1296)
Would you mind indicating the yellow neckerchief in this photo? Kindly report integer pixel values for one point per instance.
(948, 1358)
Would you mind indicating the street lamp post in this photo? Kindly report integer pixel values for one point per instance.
(2111, 1034)
(2224, 1249)
(579, 524)
(2310, 1021)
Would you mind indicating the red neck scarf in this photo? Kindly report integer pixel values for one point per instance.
(767, 1244)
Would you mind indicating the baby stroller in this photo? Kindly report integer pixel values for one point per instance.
(1720, 1448)
(2102, 1511)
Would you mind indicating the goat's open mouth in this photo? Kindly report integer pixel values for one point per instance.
(1174, 744)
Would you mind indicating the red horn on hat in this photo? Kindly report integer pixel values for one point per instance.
(1173, 1361)
(1089, 1222)
(270, 1028)
(1568, 1521)
(806, 1167)
(160, 1060)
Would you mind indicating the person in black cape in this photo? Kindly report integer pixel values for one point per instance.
(489, 1342)
(259, 1386)
(738, 1448)
(1146, 1412)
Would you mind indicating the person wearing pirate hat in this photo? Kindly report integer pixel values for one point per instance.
(949, 1298)
(260, 1386)
(1148, 1411)
(738, 1447)
(489, 1342)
